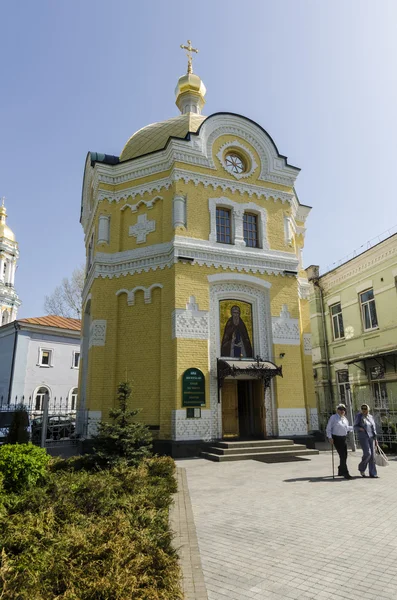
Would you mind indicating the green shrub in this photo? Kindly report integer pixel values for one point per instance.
(18, 431)
(92, 536)
(22, 465)
(122, 439)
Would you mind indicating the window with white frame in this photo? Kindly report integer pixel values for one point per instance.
(368, 310)
(41, 395)
(250, 229)
(76, 360)
(343, 385)
(337, 321)
(45, 357)
(223, 225)
(73, 399)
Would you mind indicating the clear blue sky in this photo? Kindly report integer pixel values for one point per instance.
(319, 76)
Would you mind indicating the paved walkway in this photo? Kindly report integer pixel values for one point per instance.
(280, 531)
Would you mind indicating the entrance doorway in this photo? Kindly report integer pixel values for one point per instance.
(243, 413)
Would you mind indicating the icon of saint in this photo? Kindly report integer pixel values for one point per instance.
(236, 342)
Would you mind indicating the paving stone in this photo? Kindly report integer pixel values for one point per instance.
(288, 530)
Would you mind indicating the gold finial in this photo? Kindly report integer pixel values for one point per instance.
(189, 48)
(3, 200)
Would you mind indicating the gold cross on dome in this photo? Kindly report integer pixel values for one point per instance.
(3, 200)
(189, 49)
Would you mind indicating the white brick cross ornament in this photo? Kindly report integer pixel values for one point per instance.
(141, 229)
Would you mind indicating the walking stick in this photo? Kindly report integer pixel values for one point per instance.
(333, 466)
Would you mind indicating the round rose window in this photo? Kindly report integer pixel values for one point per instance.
(234, 163)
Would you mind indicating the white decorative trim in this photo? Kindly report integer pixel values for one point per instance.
(191, 429)
(292, 421)
(103, 229)
(94, 417)
(160, 256)
(307, 344)
(142, 229)
(97, 333)
(248, 279)
(238, 211)
(285, 329)
(237, 144)
(148, 203)
(249, 290)
(208, 180)
(288, 234)
(269, 412)
(304, 288)
(191, 323)
(314, 424)
(179, 211)
(147, 293)
(273, 166)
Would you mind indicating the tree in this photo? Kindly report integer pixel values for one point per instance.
(65, 300)
(18, 430)
(122, 439)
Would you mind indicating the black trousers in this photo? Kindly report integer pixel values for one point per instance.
(341, 448)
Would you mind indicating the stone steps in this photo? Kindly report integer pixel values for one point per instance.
(262, 450)
(253, 443)
(252, 450)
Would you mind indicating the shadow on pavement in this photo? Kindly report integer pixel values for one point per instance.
(325, 479)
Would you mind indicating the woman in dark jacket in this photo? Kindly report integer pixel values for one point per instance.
(364, 424)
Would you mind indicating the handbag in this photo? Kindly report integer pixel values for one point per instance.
(380, 458)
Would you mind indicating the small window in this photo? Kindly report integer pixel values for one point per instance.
(250, 225)
(337, 322)
(223, 226)
(73, 399)
(76, 360)
(368, 310)
(45, 358)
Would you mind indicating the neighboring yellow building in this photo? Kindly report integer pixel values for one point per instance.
(354, 323)
(194, 237)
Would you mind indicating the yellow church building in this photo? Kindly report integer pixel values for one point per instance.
(195, 288)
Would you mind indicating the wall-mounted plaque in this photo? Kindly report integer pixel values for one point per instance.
(193, 388)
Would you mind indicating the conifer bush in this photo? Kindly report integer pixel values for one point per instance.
(122, 439)
(18, 431)
(88, 535)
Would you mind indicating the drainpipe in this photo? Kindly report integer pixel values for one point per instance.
(14, 352)
(316, 282)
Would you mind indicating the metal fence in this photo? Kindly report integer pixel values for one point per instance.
(51, 422)
(382, 408)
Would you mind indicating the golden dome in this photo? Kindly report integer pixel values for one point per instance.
(5, 231)
(190, 83)
(155, 136)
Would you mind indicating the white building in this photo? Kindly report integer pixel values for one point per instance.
(40, 357)
(9, 253)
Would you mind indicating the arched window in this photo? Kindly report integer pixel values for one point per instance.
(4, 318)
(41, 394)
(73, 399)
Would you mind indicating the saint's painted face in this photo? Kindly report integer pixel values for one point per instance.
(235, 314)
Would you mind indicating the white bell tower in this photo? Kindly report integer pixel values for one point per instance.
(9, 254)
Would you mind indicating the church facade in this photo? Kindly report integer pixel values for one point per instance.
(195, 288)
